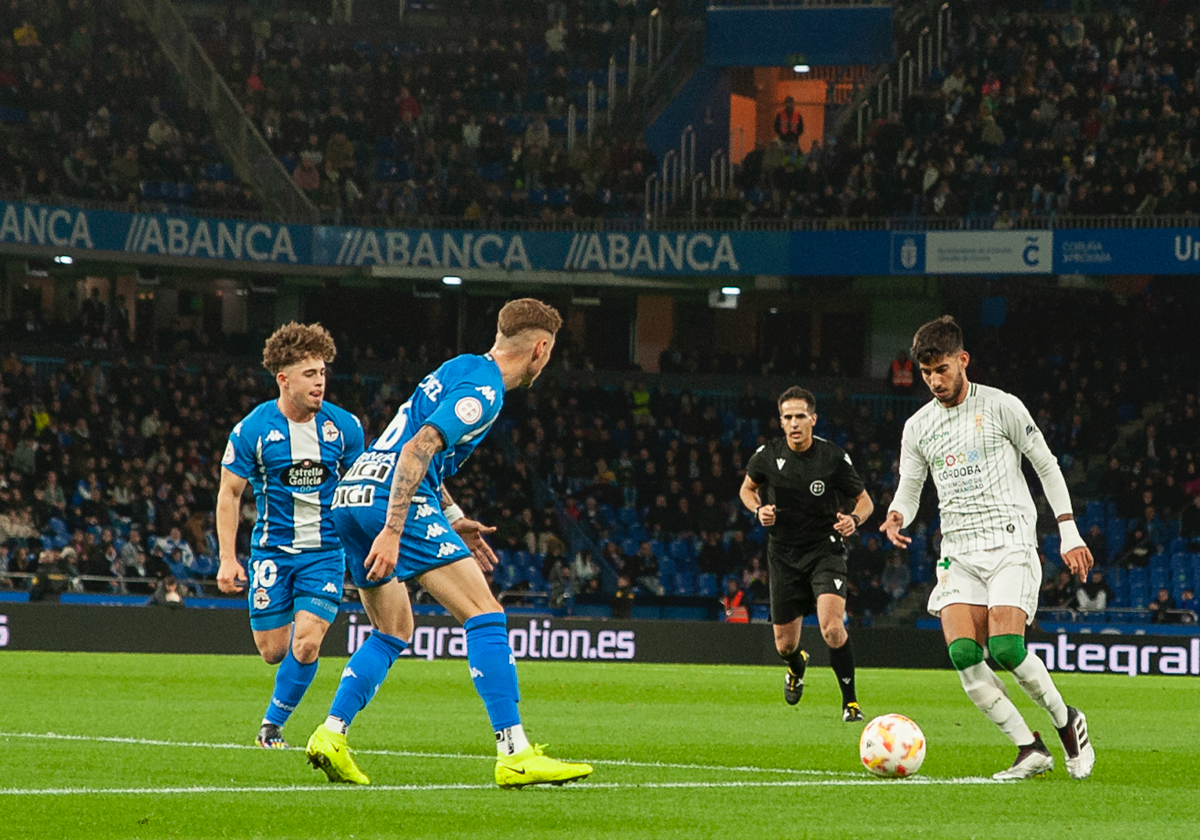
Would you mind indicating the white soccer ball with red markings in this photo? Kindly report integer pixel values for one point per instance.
(892, 746)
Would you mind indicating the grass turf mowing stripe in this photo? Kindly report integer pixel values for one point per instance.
(207, 789)
(612, 762)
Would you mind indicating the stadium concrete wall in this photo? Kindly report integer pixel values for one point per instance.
(90, 629)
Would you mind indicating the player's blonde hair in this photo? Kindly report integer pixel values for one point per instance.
(523, 314)
(295, 342)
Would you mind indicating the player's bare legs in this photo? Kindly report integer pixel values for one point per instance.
(305, 635)
(389, 609)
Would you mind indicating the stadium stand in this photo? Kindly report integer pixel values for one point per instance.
(635, 473)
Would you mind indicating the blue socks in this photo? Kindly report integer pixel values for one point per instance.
(493, 669)
(291, 681)
(364, 673)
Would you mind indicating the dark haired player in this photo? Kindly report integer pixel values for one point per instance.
(798, 487)
(971, 437)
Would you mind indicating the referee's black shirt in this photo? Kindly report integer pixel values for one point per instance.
(808, 489)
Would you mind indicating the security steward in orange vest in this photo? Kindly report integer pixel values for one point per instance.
(789, 125)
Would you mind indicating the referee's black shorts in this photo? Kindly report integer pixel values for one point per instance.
(799, 575)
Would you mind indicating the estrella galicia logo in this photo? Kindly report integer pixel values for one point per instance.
(305, 475)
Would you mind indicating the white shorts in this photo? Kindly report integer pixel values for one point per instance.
(1008, 576)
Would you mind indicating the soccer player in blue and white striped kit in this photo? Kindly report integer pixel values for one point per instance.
(398, 522)
(291, 451)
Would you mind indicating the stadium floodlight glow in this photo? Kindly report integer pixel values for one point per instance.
(64, 259)
(801, 68)
(452, 280)
(732, 291)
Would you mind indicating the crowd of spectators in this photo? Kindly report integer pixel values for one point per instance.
(467, 123)
(1035, 115)
(633, 489)
(90, 110)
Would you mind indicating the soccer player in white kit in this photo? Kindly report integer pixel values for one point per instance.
(971, 437)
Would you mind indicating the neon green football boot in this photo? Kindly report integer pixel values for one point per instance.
(532, 766)
(328, 751)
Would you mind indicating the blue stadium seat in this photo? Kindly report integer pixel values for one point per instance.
(658, 549)
(387, 170)
(557, 125)
(538, 198)
(504, 556)
(630, 547)
(535, 100)
(1115, 534)
(706, 586)
(666, 568)
(685, 583)
(679, 549)
(1095, 513)
(522, 557)
(11, 115)
(514, 124)
(1139, 588)
(1178, 545)
(559, 197)
(151, 190)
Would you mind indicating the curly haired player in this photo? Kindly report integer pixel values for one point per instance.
(291, 451)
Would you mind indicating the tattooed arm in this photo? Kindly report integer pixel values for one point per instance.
(411, 468)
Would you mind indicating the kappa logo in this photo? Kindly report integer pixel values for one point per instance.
(434, 530)
(817, 488)
(476, 673)
(330, 587)
(489, 393)
(779, 462)
(424, 510)
(348, 672)
(274, 436)
(446, 549)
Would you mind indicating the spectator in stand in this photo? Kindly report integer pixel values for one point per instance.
(734, 603)
(897, 576)
(1097, 543)
(712, 558)
(584, 569)
(1189, 602)
(168, 594)
(789, 125)
(1059, 591)
(622, 599)
(1163, 609)
(1138, 550)
(1094, 595)
(1189, 525)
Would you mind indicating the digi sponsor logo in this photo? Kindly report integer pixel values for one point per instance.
(540, 640)
(1130, 659)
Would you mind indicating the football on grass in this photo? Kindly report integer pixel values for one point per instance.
(892, 746)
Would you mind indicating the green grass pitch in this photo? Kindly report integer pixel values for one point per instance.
(143, 746)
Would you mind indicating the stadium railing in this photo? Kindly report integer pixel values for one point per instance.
(1115, 616)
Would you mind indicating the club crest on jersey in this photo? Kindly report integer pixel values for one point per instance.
(330, 432)
(468, 410)
(305, 475)
(979, 422)
(817, 488)
(262, 599)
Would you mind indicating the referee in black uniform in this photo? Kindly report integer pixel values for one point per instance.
(808, 483)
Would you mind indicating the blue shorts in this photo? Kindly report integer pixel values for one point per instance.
(282, 584)
(428, 541)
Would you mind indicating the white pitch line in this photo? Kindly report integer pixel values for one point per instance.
(614, 762)
(584, 786)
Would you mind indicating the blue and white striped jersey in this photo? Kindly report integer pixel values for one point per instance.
(461, 399)
(293, 469)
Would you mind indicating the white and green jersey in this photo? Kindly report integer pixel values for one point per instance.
(974, 452)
